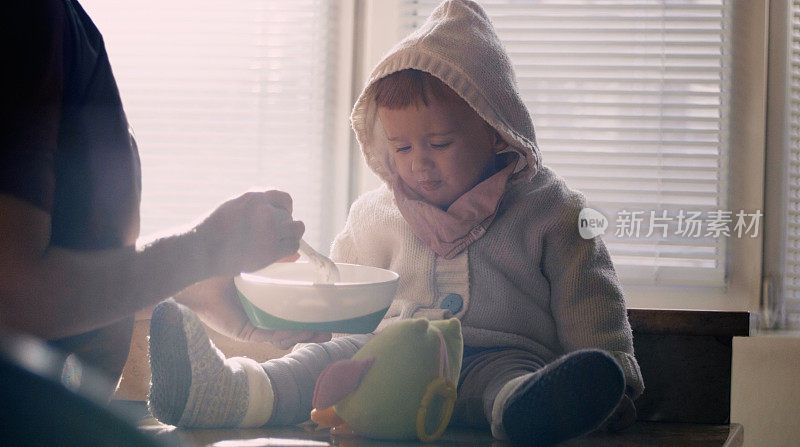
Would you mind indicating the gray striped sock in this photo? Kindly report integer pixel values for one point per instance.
(192, 384)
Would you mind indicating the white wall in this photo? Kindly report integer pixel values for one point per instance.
(765, 389)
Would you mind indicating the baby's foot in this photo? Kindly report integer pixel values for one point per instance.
(193, 385)
(568, 398)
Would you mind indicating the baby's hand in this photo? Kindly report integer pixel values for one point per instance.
(623, 416)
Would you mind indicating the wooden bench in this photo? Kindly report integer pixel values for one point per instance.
(685, 358)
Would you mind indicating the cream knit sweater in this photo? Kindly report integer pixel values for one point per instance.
(530, 281)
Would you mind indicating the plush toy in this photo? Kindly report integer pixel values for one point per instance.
(400, 385)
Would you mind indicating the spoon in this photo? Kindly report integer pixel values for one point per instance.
(327, 272)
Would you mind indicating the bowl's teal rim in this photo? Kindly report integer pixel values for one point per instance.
(358, 325)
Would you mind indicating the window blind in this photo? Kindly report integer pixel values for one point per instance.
(791, 277)
(630, 104)
(223, 97)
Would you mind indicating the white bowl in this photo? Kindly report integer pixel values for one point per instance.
(284, 296)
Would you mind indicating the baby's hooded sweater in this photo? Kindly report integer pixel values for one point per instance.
(530, 281)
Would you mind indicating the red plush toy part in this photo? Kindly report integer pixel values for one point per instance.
(338, 380)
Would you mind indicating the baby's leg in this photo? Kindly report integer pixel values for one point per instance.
(569, 397)
(294, 376)
(484, 371)
(194, 385)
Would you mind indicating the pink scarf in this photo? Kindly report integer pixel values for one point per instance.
(449, 232)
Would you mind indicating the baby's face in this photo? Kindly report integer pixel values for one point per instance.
(441, 151)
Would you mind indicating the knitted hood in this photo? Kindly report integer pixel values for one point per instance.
(458, 45)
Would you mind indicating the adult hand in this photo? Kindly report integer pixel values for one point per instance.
(217, 305)
(249, 232)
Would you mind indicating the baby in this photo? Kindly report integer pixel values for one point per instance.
(477, 228)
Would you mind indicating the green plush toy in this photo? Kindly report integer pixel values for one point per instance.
(400, 385)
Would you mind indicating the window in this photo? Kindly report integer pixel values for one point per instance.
(225, 96)
(635, 103)
(632, 105)
(782, 254)
(791, 246)
(629, 101)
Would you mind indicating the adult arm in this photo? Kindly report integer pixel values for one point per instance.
(53, 292)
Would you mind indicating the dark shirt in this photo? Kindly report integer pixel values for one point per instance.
(65, 145)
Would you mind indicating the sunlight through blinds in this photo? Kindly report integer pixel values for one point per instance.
(630, 104)
(225, 96)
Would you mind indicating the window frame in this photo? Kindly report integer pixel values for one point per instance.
(743, 283)
(778, 148)
(346, 88)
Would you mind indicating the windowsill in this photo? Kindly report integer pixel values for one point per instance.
(779, 333)
(700, 298)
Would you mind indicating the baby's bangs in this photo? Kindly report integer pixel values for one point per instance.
(410, 86)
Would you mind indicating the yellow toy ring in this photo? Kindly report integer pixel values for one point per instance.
(443, 387)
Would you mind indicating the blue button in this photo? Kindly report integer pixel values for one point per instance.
(453, 302)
